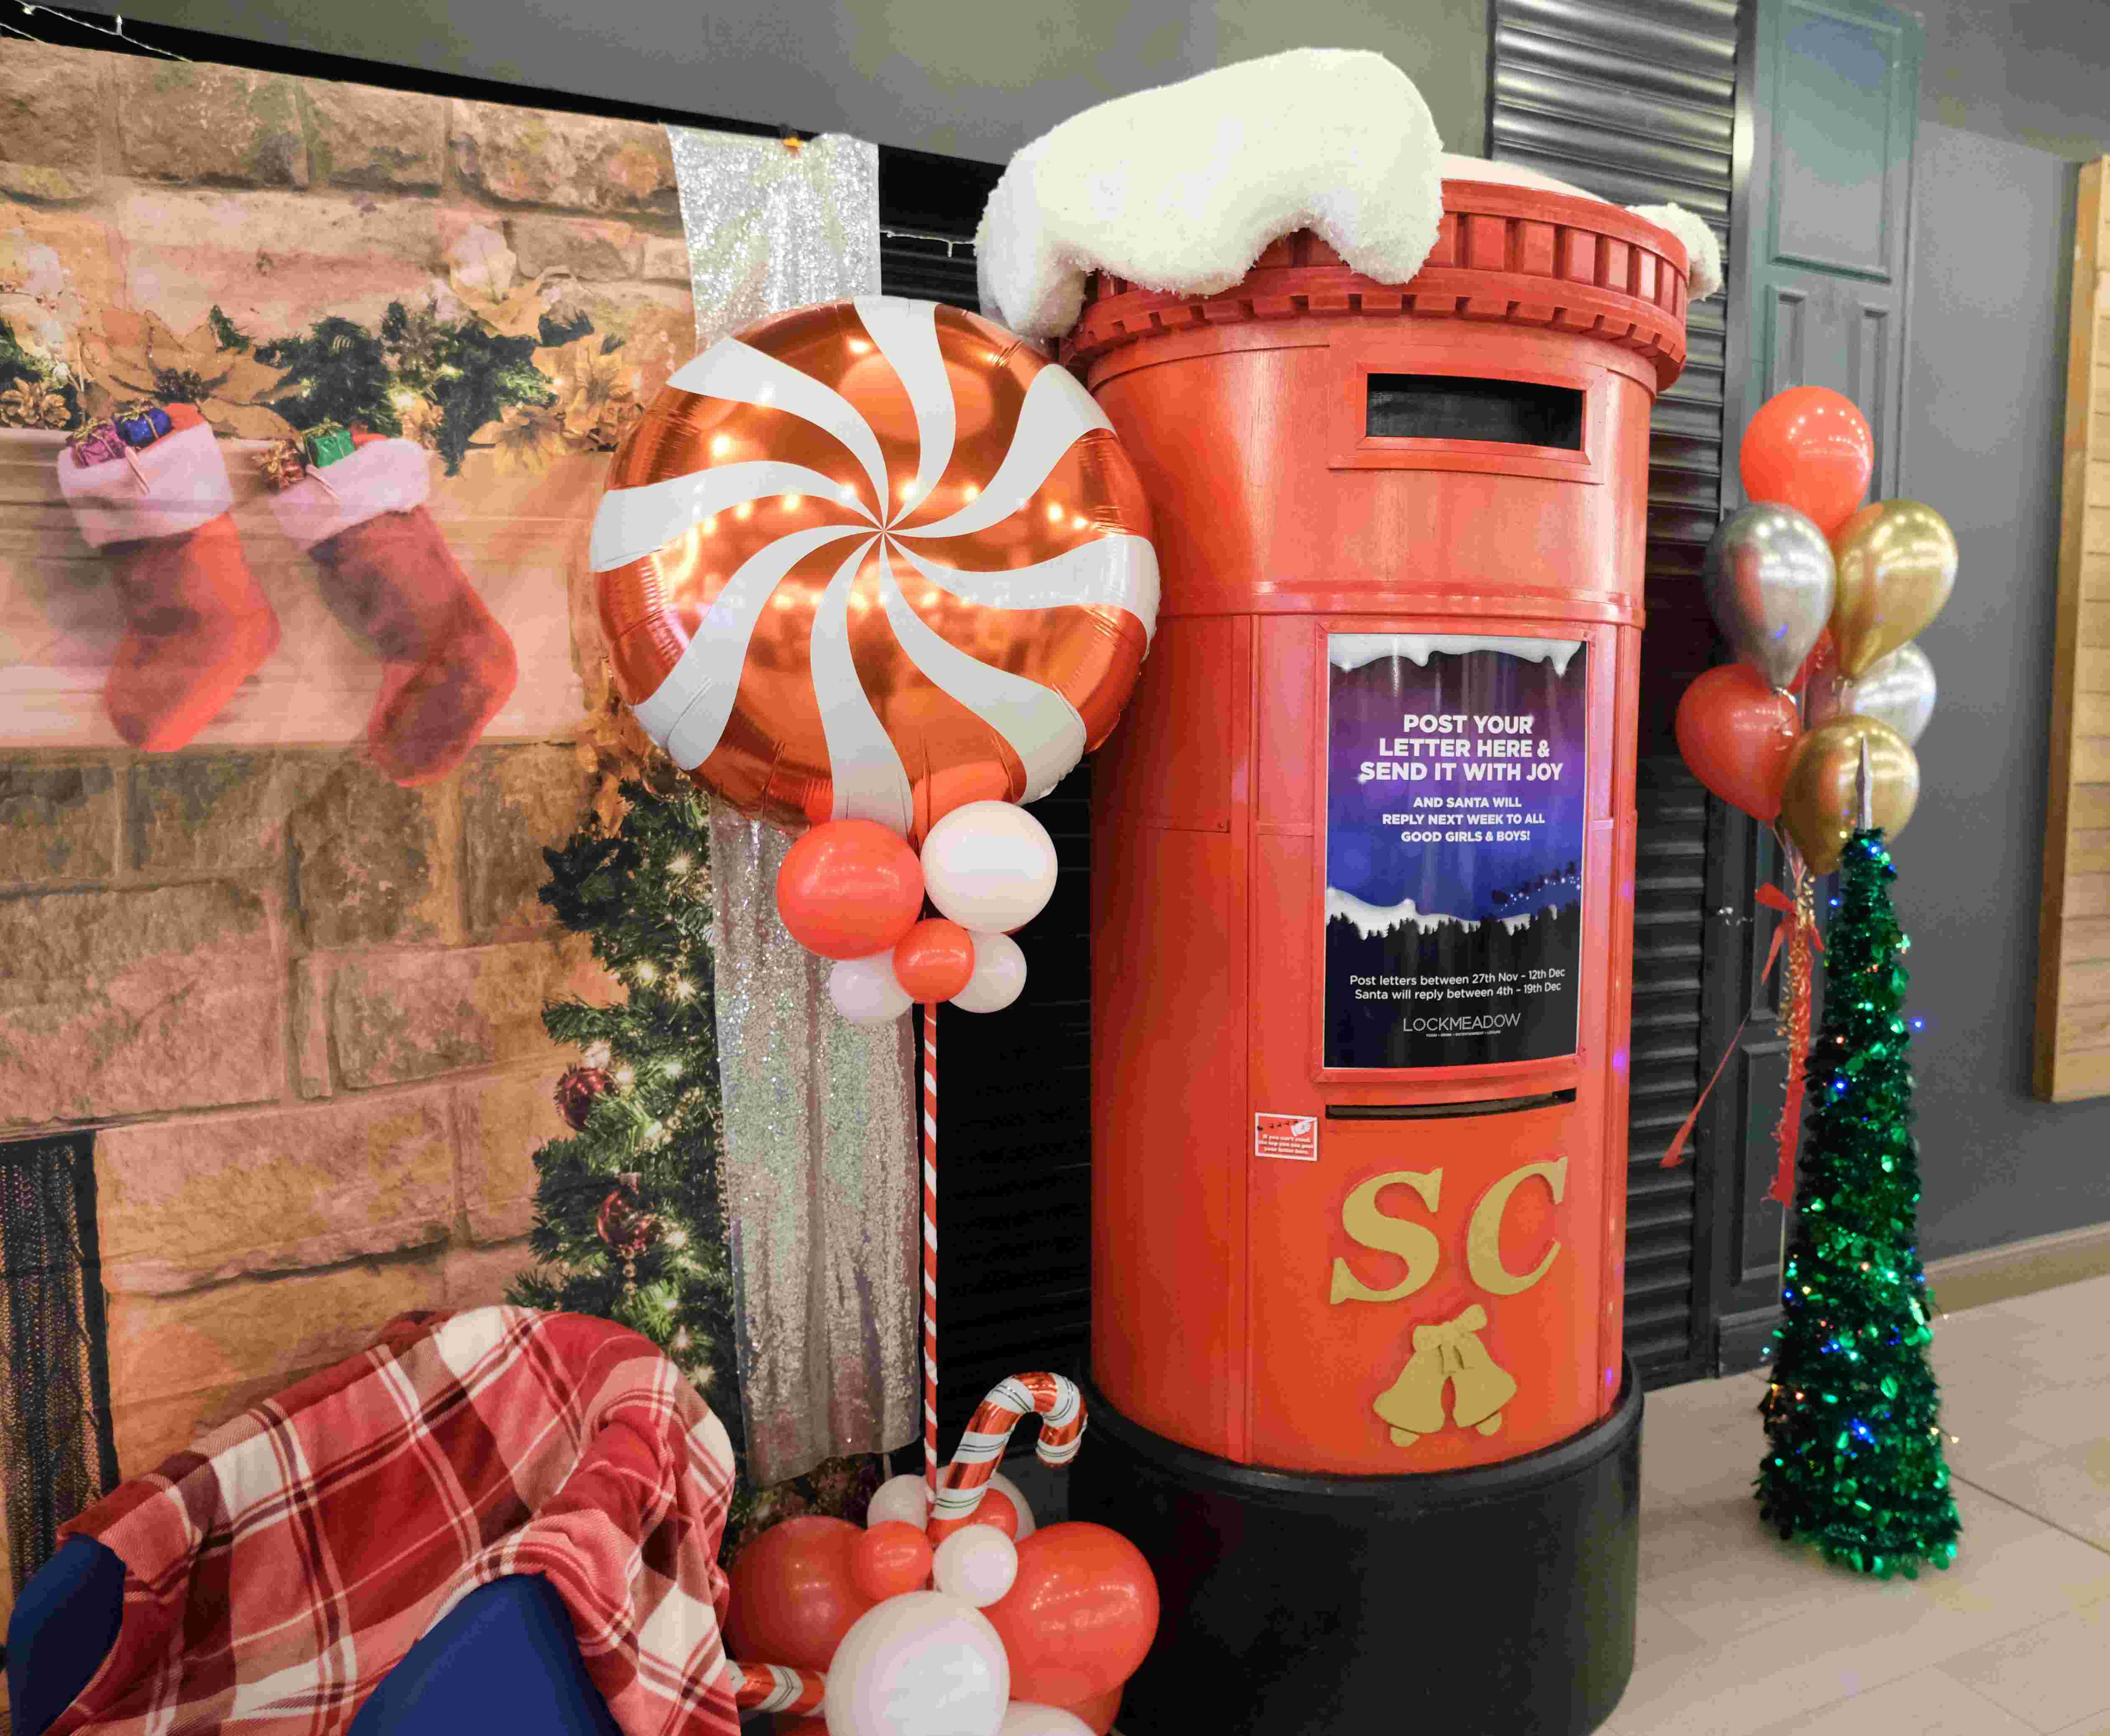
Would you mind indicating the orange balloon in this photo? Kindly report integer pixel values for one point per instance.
(1737, 735)
(794, 1593)
(892, 1557)
(849, 889)
(1098, 1712)
(995, 1511)
(934, 960)
(1080, 1615)
(874, 559)
(1810, 448)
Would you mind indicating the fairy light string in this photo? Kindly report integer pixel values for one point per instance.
(1854, 1460)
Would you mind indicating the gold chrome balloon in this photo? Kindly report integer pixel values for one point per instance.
(1820, 802)
(1894, 566)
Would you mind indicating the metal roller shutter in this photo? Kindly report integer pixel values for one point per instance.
(1015, 1135)
(1637, 103)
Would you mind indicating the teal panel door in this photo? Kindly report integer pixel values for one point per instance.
(1819, 284)
(1835, 112)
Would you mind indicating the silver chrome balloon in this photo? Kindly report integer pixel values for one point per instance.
(1898, 689)
(1769, 582)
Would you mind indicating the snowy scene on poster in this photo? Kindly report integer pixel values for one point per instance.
(1454, 848)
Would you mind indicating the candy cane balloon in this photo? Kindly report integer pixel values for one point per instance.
(1060, 1408)
(874, 559)
(777, 1688)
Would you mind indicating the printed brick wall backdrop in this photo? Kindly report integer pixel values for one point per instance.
(506, 286)
(301, 1005)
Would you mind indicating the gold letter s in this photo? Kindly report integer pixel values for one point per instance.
(1414, 1243)
(1483, 1235)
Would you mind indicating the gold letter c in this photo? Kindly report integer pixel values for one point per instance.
(1483, 1235)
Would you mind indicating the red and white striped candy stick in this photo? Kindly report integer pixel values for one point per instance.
(931, 1251)
(1060, 1408)
(777, 1688)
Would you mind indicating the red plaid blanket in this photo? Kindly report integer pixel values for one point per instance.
(277, 1573)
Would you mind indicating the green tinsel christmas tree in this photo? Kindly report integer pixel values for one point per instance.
(1855, 1459)
(630, 1222)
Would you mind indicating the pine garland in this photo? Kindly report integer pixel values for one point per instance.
(640, 892)
(1855, 1459)
(630, 1220)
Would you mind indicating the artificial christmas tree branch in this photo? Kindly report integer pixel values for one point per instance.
(630, 1219)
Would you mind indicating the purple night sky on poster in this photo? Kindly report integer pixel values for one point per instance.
(1454, 848)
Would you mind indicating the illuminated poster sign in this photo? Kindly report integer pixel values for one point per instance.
(1455, 804)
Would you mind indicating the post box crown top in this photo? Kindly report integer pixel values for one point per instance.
(1508, 251)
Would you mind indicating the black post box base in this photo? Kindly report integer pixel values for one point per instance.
(1498, 1601)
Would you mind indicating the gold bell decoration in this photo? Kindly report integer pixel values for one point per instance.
(1449, 1352)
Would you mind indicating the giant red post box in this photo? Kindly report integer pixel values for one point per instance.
(1362, 882)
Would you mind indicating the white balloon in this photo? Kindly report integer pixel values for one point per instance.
(999, 974)
(922, 1664)
(903, 1498)
(864, 990)
(976, 1565)
(1026, 1526)
(989, 865)
(1025, 1719)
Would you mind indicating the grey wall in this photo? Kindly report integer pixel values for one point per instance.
(2036, 72)
(1984, 397)
(969, 78)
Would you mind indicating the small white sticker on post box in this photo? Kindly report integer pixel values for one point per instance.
(1295, 1137)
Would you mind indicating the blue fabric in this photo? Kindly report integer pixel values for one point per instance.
(64, 1624)
(505, 1658)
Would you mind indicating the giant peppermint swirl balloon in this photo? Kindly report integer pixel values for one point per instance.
(874, 559)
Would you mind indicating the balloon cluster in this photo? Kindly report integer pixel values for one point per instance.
(1821, 598)
(854, 892)
(880, 569)
(1006, 1628)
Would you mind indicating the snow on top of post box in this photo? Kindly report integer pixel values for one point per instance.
(1353, 650)
(1178, 189)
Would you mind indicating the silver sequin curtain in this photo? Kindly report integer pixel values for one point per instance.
(820, 1164)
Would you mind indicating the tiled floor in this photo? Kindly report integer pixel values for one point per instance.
(1743, 1635)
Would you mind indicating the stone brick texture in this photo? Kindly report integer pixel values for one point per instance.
(301, 1006)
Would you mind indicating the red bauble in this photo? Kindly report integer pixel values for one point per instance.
(934, 960)
(628, 1230)
(577, 1091)
(893, 1556)
(1078, 1618)
(848, 888)
(794, 1595)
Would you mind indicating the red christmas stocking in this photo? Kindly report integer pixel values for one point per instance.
(198, 625)
(389, 577)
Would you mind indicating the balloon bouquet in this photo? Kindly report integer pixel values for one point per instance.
(876, 572)
(1820, 597)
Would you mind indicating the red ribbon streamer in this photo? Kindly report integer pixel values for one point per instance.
(1788, 1134)
(1797, 1017)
